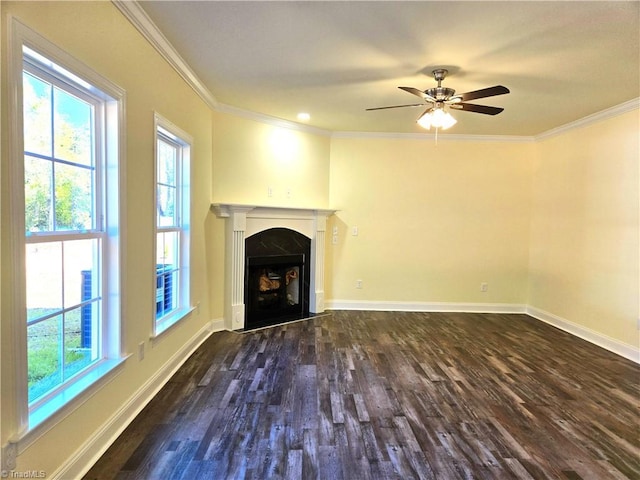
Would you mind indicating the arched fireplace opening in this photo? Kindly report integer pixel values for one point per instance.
(277, 277)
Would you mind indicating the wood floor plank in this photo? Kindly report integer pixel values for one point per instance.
(390, 395)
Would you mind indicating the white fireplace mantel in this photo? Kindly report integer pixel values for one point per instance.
(246, 220)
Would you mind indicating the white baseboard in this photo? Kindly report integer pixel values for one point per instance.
(85, 457)
(615, 346)
(217, 325)
(426, 306)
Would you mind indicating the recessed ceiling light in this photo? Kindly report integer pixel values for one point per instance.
(304, 117)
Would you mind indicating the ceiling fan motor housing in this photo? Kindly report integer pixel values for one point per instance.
(440, 93)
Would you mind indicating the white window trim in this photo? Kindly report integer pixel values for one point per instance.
(28, 426)
(185, 141)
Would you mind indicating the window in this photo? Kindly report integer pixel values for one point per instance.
(172, 224)
(66, 219)
(64, 235)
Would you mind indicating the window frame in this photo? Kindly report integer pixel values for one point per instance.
(164, 130)
(53, 406)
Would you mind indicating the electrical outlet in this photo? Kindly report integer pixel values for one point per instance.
(141, 351)
(269, 192)
(198, 308)
(9, 454)
(354, 231)
(358, 283)
(484, 286)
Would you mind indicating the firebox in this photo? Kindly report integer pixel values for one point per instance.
(276, 277)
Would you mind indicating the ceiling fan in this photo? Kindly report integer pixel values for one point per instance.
(437, 97)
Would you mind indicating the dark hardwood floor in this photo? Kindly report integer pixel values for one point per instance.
(377, 395)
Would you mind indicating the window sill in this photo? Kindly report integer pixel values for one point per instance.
(170, 321)
(60, 405)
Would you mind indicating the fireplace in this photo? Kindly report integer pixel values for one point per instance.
(243, 222)
(276, 277)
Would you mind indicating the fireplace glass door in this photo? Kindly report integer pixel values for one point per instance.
(273, 289)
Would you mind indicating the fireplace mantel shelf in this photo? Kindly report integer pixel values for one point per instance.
(224, 210)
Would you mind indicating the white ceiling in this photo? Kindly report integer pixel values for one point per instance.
(562, 61)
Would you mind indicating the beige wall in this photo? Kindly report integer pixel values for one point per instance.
(97, 34)
(584, 237)
(251, 157)
(551, 225)
(434, 221)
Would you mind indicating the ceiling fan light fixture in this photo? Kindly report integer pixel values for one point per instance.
(438, 118)
(425, 120)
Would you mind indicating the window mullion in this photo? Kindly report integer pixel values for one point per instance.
(54, 222)
(62, 236)
(97, 123)
(61, 347)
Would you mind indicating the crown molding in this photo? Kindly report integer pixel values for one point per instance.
(278, 122)
(625, 107)
(141, 21)
(432, 137)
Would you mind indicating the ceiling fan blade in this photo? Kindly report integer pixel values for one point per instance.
(397, 106)
(484, 92)
(419, 93)
(471, 107)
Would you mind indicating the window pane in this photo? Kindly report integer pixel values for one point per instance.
(37, 115)
(167, 156)
(167, 249)
(72, 128)
(167, 185)
(91, 335)
(167, 277)
(74, 199)
(37, 194)
(167, 214)
(166, 290)
(77, 348)
(171, 303)
(81, 271)
(44, 366)
(44, 279)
